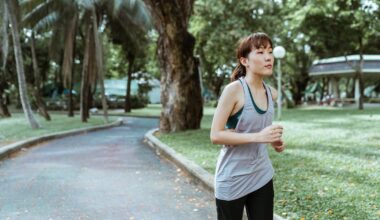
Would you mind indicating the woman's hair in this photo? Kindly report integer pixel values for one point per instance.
(246, 45)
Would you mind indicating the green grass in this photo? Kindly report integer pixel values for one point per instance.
(330, 169)
(16, 128)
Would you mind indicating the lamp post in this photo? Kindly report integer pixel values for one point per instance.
(279, 53)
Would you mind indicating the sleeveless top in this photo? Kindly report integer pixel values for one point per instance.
(244, 168)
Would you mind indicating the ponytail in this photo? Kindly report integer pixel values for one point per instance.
(238, 72)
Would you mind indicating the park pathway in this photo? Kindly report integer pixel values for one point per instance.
(107, 174)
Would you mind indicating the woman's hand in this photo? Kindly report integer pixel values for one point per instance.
(278, 146)
(271, 134)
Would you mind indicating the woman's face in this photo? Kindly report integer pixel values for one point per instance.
(259, 61)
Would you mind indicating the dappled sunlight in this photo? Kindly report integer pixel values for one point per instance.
(313, 182)
(366, 117)
(339, 162)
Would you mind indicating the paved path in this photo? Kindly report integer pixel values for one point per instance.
(108, 174)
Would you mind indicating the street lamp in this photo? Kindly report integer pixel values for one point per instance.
(279, 53)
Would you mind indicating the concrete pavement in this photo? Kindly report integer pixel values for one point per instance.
(108, 174)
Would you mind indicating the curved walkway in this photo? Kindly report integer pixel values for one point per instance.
(108, 174)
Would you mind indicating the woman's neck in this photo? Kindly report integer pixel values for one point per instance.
(254, 81)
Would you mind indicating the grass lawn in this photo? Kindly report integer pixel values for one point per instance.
(330, 169)
(16, 128)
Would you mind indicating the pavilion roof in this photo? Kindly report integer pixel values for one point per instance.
(338, 66)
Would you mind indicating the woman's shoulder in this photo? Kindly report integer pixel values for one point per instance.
(232, 93)
(234, 87)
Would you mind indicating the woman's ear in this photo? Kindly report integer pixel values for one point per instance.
(244, 61)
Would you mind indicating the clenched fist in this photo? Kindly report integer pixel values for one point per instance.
(271, 134)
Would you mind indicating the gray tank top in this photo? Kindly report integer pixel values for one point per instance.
(245, 168)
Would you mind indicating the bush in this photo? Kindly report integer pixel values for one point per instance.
(139, 101)
(114, 101)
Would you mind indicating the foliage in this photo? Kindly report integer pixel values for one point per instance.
(307, 29)
(116, 63)
(150, 64)
(218, 25)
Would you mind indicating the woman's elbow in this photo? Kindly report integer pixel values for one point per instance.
(214, 138)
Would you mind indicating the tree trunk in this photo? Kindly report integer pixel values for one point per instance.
(37, 83)
(92, 73)
(20, 65)
(180, 84)
(324, 85)
(71, 104)
(360, 75)
(128, 105)
(4, 31)
(300, 83)
(299, 91)
(4, 112)
(39, 102)
(85, 80)
(67, 65)
(99, 62)
(361, 89)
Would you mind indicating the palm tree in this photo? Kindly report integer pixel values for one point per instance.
(129, 15)
(11, 10)
(91, 15)
(52, 16)
(36, 88)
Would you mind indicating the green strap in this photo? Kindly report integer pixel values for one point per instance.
(254, 104)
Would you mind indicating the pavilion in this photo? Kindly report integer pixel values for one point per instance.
(336, 68)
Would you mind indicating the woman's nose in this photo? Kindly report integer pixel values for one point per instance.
(268, 56)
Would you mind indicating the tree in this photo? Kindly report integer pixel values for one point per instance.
(4, 112)
(93, 14)
(180, 84)
(37, 85)
(11, 9)
(355, 22)
(99, 61)
(134, 46)
(218, 32)
(68, 57)
(51, 17)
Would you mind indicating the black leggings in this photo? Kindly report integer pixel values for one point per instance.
(258, 204)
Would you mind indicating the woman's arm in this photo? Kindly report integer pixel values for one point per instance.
(219, 135)
(279, 146)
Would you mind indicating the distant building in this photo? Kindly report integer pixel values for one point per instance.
(336, 68)
(118, 87)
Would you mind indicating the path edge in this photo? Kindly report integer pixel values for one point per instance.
(7, 150)
(199, 174)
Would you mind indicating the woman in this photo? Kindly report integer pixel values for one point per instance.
(243, 124)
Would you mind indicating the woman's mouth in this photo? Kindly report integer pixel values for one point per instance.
(269, 66)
